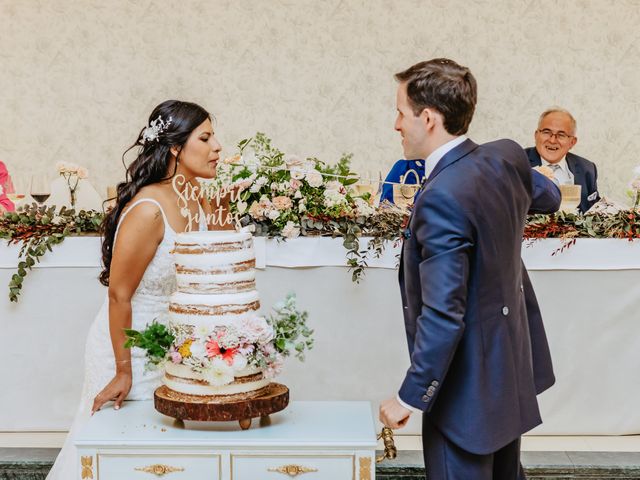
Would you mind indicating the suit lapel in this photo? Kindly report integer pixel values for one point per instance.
(534, 157)
(576, 169)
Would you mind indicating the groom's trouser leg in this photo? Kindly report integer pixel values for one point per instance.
(444, 460)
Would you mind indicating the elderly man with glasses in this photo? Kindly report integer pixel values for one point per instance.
(555, 136)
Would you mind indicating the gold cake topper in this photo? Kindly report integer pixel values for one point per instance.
(218, 197)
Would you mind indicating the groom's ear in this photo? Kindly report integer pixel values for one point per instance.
(429, 117)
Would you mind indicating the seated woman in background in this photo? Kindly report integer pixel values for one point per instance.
(399, 170)
(6, 187)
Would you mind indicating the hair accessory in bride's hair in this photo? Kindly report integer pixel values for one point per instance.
(155, 128)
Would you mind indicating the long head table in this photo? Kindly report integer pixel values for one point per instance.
(589, 295)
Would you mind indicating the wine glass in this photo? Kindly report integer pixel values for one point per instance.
(15, 188)
(40, 188)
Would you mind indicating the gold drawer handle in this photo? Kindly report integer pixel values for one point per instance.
(159, 470)
(292, 470)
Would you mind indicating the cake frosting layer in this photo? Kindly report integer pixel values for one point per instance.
(190, 387)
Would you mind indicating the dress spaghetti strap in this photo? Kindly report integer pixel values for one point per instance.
(137, 202)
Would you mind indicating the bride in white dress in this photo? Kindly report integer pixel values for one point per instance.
(138, 236)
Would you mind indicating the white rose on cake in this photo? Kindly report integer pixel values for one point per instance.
(239, 363)
(218, 373)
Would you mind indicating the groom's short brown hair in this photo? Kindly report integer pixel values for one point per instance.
(445, 86)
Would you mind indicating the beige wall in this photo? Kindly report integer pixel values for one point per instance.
(79, 78)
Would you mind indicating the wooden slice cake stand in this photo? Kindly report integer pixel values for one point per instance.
(270, 399)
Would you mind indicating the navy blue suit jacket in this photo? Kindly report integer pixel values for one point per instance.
(584, 172)
(472, 343)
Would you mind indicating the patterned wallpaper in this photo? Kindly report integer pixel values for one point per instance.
(78, 78)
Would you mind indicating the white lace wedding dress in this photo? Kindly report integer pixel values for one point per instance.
(150, 302)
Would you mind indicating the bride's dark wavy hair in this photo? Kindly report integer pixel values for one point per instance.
(151, 165)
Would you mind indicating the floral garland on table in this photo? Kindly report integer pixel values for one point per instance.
(39, 228)
(286, 196)
(221, 352)
(605, 220)
(623, 224)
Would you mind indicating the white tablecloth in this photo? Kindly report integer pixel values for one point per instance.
(590, 297)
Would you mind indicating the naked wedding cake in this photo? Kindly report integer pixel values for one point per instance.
(222, 346)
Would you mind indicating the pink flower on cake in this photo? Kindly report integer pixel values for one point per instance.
(274, 368)
(256, 329)
(175, 356)
(268, 349)
(246, 349)
(282, 203)
(215, 350)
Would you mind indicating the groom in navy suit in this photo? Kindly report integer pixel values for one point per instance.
(477, 345)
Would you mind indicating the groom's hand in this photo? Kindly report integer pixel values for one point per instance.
(393, 415)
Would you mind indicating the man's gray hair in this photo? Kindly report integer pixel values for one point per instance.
(574, 125)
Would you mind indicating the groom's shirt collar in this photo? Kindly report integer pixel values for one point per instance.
(435, 156)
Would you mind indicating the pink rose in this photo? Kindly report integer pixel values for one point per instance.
(282, 203)
(176, 357)
(295, 184)
(256, 211)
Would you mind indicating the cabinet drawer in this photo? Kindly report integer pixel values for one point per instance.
(140, 466)
(267, 466)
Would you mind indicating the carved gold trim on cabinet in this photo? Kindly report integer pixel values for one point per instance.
(365, 468)
(159, 470)
(292, 470)
(87, 466)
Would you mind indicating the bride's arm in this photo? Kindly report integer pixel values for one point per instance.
(140, 233)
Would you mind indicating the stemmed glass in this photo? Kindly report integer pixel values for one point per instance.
(40, 188)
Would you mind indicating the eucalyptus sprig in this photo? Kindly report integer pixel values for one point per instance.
(291, 333)
(38, 229)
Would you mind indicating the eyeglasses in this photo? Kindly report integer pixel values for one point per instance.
(561, 136)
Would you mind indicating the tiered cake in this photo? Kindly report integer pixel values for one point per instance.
(222, 346)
